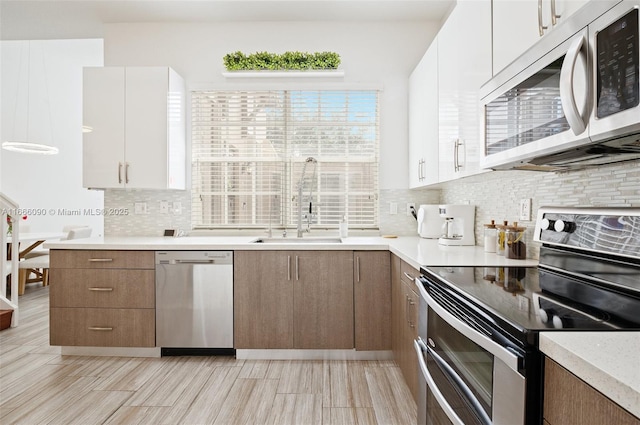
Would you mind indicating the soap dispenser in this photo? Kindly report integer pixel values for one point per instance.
(344, 227)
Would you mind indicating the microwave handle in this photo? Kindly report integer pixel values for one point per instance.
(567, 95)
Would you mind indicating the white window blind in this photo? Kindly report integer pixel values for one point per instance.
(250, 149)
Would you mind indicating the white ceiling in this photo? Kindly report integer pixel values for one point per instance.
(54, 19)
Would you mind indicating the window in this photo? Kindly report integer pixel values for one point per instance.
(253, 152)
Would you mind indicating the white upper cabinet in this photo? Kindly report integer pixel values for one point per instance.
(423, 120)
(517, 25)
(464, 64)
(137, 116)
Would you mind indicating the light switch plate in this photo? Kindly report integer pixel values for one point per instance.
(393, 208)
(164, 207)
(177, 208)
(525, 209)
(140, 208)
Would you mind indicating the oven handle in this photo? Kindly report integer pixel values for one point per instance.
(421, 348)
(497, 350)
(449, 371)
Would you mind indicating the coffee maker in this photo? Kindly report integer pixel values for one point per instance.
(459, 225)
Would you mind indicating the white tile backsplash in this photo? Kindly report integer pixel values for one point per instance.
(153, 222)
(496, 195)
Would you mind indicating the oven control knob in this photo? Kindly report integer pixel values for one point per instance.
(543, 316)
(546, 224)
(557, 322)
(564, 226)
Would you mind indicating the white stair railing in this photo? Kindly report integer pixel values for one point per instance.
(9, 267)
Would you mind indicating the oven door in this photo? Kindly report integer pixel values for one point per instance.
(472, 379)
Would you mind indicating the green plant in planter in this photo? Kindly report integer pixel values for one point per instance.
(238, 61)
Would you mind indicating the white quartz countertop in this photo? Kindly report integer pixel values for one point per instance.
(414, 250)
(608, 361)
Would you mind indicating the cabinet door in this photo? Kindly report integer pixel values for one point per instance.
(146, 133)
(423, 120)
(464, 65)
(372, 292)
(397, 311)
(263, 299)
(410, 334)
(516, 25)
(569, 400)
(103, 111)
(323, 299)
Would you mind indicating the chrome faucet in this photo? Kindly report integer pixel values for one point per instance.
(300, 189)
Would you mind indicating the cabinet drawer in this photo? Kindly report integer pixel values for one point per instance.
(406, 269)
(102, 327)
(102, 288)
(90, 259)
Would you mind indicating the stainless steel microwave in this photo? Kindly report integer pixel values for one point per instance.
(573, 100)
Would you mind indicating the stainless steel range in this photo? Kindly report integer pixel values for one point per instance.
(479, 326)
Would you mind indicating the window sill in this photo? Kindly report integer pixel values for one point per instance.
(284, 74)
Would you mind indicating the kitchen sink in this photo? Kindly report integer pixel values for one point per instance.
(298, 240)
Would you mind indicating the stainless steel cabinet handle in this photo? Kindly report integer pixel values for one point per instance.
(541, 27)
(406, 308)
(100, 260)
(288, 267)
(554, 16)
(119, 172)
(411, 307)
(408, 276)
(126, 173)
(99, 328)
(456, 164)
(297, 268)
(98, 289)
(357, 269)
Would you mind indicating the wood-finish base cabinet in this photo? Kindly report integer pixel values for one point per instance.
(293, 299)
(568, 400)
(372, 298)
(404, 320)
(102, 298)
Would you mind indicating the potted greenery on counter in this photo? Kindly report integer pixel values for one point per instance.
(288, 61)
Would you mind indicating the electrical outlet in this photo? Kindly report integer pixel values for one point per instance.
(140, 208)
(525, 209)
(410, 206)
(177, 208)
(393, 208)
(164, 207)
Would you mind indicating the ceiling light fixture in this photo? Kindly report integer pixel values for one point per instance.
(26, 146)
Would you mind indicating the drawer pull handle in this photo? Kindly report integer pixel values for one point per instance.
(408, 276)
(101, 289)
(99, 328)
(100, 260)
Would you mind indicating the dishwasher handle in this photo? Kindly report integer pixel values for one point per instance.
(209, 261)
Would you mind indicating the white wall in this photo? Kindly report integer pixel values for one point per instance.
(47, 184)
(375, 54)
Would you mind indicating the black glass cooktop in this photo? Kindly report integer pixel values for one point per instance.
(533, 299)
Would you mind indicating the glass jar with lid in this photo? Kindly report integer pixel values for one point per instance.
(515, 247)
(500, 234)
(490, 237)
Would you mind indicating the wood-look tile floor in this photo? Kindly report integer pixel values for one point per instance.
(40, 386)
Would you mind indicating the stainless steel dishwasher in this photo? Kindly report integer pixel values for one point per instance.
(194, 302)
